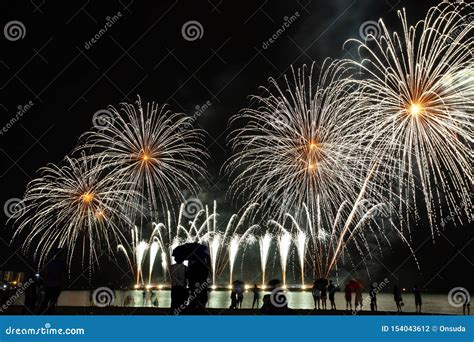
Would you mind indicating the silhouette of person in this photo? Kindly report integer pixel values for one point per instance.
(373, 297)
(332, 293)
(324, 296)
(348, 296)
(240, 296)
(397, 297)
(466, 307)
(233, 298)
(197, 275)
(31, 294)
(53, 277)
(417, 293)
(358, 298)
(179, 293)
(256, 296)
(316, 296)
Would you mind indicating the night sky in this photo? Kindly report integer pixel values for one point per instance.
(66, 79)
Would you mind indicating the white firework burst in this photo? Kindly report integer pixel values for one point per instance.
(301, 141)
(418, 95)
(74, 206)
(157, 151)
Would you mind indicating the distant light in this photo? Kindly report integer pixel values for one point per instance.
(160, 287)
(136, 286)
(148, 287)
(213, 287)
(247, 287)
(229, 286)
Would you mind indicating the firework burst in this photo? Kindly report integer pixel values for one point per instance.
(418, 94)
(74, 205)
(157, 151)
(302, 141)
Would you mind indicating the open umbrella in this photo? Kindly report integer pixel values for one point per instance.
(274, 283)
(355, 284)
(191, 251)
(321, 283)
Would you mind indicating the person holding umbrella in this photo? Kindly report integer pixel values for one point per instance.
(198, 272)
(179, 293)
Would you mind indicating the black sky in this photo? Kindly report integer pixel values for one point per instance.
(144, 53)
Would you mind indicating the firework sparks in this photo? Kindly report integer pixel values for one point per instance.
(156, 150)
(302, 141)
(74, 204)
(326, 243)
(418, 91)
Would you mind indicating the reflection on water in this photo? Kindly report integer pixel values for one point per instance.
(432, 303)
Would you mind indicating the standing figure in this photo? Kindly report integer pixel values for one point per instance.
(348, 296)
(324, 297)
(417, 293)
(316, 296)
(397, 297)
(373, 297)
(53, 278)
(179, 293)
(332, 293)
(256, 296)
